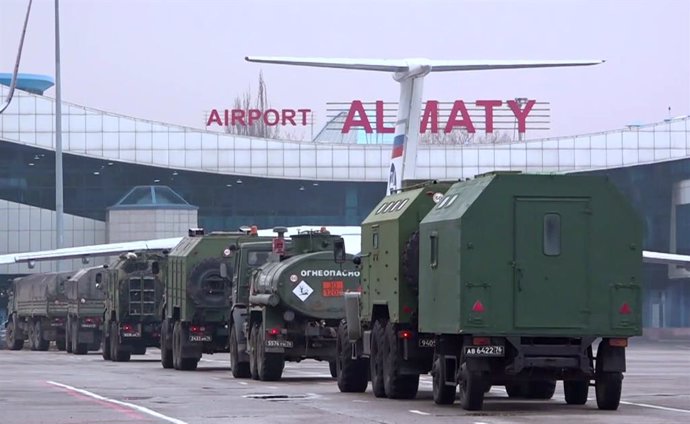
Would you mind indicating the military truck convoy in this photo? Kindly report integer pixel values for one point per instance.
(133, 300)
(293, 306)
(506, 279)
(37, 311)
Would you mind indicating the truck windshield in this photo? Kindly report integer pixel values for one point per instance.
(257, 258)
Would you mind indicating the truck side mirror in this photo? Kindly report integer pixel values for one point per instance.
(155, 269)
(339, 254)
(223, 270)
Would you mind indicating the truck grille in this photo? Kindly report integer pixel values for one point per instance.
(142, 296)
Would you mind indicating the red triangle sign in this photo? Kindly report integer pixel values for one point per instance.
(478, 307)
(625, 309)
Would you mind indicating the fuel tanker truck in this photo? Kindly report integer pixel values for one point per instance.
(133, 299)
(507, 279)
(37, 311)
(296, 303)
(197, 297)
(85, 305)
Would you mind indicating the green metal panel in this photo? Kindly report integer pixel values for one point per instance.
(490, 253)
(385, 232)
(552, 291)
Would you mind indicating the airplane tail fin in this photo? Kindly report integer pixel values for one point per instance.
(410, 73)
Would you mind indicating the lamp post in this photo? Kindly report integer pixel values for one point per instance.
(58, 139)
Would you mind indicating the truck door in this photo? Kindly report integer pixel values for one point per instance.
(551, 251)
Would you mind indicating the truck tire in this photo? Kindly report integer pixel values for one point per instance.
(60, 344)
(576, 391)
(117, 354)
(41, 343)
(15, 339)
(32, 335)
(376, 359)
(410, 262)
(68, 336)
(516, 389)
(443, 393)
(166, 353)
(179, 338)
(239, 369)
(254, 333)
(541, 389)
(269, 365)
(396, 384)
(105, 343)
(195, 284)
(608, 387)
(472, 386)
(77, 348)
(351, 373)
(333, 368)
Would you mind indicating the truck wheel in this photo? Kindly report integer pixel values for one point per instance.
(41, 343)
(15, 341)
(77, 348)
(253, 370)
(179, 338)
(608, 387)
(376, 359)
(68, 336)
(541, 389)
(576, 391)
(516, 390)
(239, 369)
(117, 354)
(32, 335)
(166, 354)
(333, 369)
(444, 394)
(471, 389)
(105, 344)
(351, 373)
(397, 385)
(269, 365)
(60, 344)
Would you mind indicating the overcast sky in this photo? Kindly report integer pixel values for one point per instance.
(171, 60)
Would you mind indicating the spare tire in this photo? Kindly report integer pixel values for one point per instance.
(206, 287)
(410, 262)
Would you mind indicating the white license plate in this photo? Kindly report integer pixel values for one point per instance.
(279, 343)
(427, 342)
(484, 350)
(88, 326)
(137, 334)
(199, 338)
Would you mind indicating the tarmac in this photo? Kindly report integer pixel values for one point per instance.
(59, 388)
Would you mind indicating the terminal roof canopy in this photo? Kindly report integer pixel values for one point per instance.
(152, 197)
(33, 83)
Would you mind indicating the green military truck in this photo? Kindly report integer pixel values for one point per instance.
(507, 279)
(295, 305)
(197, 298)
(133, 299)
(85, 305)
(37, 311)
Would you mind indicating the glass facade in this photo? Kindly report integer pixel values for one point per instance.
(236, 181)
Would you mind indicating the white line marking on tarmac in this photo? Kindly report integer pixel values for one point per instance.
(117, 402)
(414, 411)
(663, 408)
(244, 383)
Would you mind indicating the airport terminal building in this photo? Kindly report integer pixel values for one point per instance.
(113, 162)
